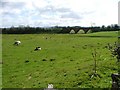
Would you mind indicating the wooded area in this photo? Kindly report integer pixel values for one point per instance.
(56, 29)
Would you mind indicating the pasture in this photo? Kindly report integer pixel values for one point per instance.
(65, 60)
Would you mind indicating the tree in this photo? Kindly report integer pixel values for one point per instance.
(116, 26)
(103, 27)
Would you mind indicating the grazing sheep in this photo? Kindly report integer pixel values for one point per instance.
(50, 85)
(37, 48)
(17, 43)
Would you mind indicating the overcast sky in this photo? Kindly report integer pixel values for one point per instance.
(58, 12)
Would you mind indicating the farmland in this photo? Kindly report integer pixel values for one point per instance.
(65, 60)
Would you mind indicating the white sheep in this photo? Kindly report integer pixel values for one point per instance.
(37, 48)
(50, 85)
(17, 43)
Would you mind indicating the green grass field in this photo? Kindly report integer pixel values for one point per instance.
(65, 60)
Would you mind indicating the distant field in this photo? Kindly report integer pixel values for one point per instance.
(65, 60)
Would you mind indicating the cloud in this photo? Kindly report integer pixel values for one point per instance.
(58, 12)
(50, 11)
(71, 15)
(12, 5)
(10, 9)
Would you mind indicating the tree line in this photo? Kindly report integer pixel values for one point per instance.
(56, 29)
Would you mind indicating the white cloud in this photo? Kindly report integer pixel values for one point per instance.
(59, 12)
